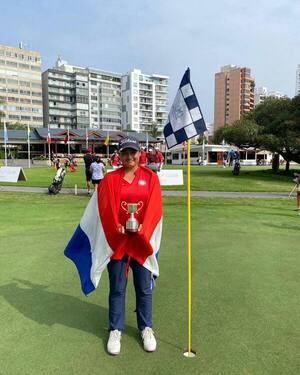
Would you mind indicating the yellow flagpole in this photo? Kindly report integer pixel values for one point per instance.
(189, 352)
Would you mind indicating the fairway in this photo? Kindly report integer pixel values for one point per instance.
(245, 292)
(204, 178)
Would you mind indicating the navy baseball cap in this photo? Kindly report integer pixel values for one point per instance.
(129, 142)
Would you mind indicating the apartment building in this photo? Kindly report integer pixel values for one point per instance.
(262, 93)
(105, 100)
(21, 86)
(234, 94)
(81, 97)
(144, 101)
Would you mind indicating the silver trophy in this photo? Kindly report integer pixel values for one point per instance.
(132, 225)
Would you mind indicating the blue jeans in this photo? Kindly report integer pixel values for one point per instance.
(143, 284)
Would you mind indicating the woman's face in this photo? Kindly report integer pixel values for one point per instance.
(129, 158)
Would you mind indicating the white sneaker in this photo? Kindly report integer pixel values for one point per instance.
(114, 342)
(148, 339)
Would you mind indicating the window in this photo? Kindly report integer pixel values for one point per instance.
(23, 66)
(37, 118)
(13, 91)
(14, 117)
(24, 83)
(12, 81)
(11, 63)
(27, 101)
(11, 99)
(36, 85)
(36, 94)
(35, 68)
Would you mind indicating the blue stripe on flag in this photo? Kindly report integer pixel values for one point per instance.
(180, 135)
(191, 102)
(79, 251)
(200, 126)
(185, 78)
(168, 129)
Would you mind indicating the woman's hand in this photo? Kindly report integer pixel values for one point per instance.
(140, 227)
(120, 229)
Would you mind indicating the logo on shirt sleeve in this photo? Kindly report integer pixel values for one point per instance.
(142, 183)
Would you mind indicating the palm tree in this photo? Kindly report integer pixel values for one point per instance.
(153, 129)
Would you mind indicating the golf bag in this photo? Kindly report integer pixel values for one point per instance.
(57, 182)
(236, 168)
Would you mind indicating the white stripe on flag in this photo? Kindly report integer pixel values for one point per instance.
(179, 115)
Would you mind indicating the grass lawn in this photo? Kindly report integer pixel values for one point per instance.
(204, 178)
(246, 286)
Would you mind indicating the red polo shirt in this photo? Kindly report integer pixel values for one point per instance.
(138, 191)
(143, 157)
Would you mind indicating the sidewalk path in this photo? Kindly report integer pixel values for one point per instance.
(165, 193)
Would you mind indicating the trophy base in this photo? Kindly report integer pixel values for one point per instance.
(131, 230)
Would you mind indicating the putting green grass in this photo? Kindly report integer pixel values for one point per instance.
(246, 284)
(207, 178)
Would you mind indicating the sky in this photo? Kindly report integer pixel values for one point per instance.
(164, 37)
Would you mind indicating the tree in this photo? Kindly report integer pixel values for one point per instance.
(279, 123)
(154, 129)
(273, 125)
(242, 133)
(15, 125)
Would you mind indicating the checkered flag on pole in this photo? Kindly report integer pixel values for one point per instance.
(185, 119)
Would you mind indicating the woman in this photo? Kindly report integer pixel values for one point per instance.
(131, 192)
(97, 169)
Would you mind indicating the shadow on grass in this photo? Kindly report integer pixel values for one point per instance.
(35, 302)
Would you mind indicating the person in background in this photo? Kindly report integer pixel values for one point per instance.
(88, 160)
(57, 163)
(143, 157)
(151, 160)
(225, 157)
(159, 159)
(52, 158)
(97, 169)
(115, 160)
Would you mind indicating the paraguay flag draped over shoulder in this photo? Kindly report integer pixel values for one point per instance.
(185, 119)
(97, 238)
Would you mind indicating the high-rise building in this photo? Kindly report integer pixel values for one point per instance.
(298, 80)
(21, 86)
(234, 94)
(262, 93)
(144, 101)
(81, 97)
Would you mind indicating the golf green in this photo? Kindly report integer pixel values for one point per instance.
(245, 316)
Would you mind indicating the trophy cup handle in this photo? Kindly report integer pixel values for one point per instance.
(140, 205)
(124, 206)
